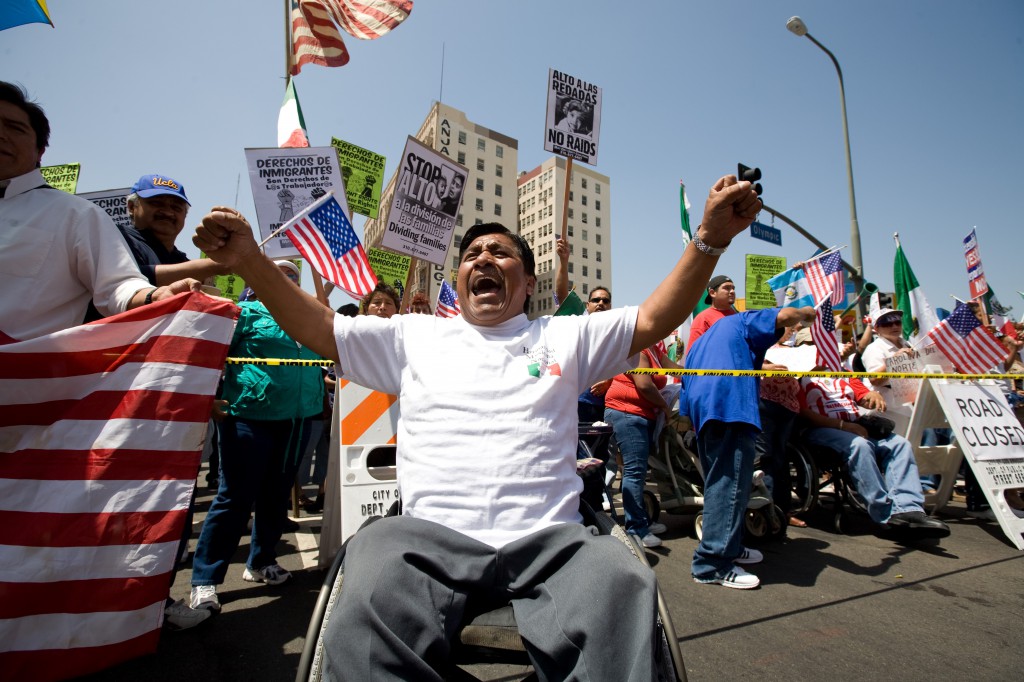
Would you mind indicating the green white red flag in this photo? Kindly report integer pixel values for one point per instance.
(291, 127)
(918, 316)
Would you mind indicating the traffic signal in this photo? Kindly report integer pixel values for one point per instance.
(752, 175)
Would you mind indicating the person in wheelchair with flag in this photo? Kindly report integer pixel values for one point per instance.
(486, 457)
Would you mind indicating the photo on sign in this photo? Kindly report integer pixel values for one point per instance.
(284, 182)
(573, 120)
(426, 203)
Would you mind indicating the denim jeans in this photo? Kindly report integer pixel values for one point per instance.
(884, 471)
(726, 451)
(633, 434)
(776, 426)
(317, 434)
(258, 461)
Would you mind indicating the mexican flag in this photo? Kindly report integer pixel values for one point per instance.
(918, 316)
(684, 214)
(291, 128)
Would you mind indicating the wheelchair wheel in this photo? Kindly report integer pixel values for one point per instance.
(803, 476)
(756, 523)
(651, 506)
(698, 526)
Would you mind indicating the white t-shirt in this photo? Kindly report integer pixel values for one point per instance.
(57, 251)
(488, 433)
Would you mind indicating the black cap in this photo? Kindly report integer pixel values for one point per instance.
(716, 281)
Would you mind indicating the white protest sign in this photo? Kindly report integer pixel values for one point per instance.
(285, 181)
(795, 358)
(903, 390)
(573, 122)
(114, 202)
(426, 203)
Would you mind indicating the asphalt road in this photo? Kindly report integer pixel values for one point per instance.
(859, 606)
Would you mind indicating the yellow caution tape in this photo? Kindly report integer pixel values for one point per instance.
(278, 362)
(790, 373)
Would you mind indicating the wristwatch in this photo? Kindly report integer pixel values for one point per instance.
(710, 250)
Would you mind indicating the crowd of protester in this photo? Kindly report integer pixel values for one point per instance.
(273, 423)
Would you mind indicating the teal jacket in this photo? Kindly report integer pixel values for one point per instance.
(269, 392)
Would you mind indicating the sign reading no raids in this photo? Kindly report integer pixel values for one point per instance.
(114, 202)
(426, 203)
(573, 117)
(285, 181)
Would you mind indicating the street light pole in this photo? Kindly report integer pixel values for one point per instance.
(797, 26)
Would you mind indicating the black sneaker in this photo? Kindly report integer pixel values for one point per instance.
(919, 524)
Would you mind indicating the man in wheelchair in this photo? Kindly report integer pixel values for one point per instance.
(882, 466)
(486, 457)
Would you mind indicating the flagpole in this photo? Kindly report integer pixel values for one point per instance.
(287, 40)
(302, 214)
(565, 201)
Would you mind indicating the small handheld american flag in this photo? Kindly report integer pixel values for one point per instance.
(447, 302)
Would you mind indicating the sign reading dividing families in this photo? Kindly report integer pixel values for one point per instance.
(363, 174)
(285, 181)
(426, 203)
(114, 202)
(573, 117)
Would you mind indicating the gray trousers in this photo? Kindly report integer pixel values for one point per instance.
(584, 605)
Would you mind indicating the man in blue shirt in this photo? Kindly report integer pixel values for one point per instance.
(724, 412)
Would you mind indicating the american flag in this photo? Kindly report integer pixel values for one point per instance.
(315, 38)
(967, 344)
(101, 431)
(447, 301)
(368, 19)
(825, 278)
(324, 236)
(823, 331)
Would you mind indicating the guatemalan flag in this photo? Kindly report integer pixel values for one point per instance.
(447, 302)
(791, 289)
(324, 236)
(101, 431)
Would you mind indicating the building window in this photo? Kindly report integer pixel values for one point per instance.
(497, 209)
(570, 230)
(597, 223)
(597, 204)
(584, 271)
(479, 204)
(570, 213)
(497, 190)
(597, 187)
(584, 217)
(479, 164)
(584, 253)
(597, 273)
(478, 221)
(570, 195)
(597, 236)
(462, 158)
(584, 182)
(597, 256)
(498, 170)
(584, 286)
(499, 151)
(584, 234)
(570, 267)
(583, 199)
(462, 137)
(481, 144)
(480, 184)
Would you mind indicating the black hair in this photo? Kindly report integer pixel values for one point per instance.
(602, 288)
(17, 96)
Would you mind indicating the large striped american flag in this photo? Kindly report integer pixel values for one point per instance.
(447, 301)
(101, 431)
(368, 19)
(315, 38)
(967, 344)
(823, 331)
(324, 236)
(825, 278)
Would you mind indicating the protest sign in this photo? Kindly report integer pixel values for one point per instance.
(63, 177)
(363, 174)
(975, 273)
(230, 286)
(114, 202)
(285, 181)
(903, 390)
(426, 203)
(759, 270)
(390, 268)
(573, 122)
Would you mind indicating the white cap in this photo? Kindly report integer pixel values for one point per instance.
(884, 312)
(290, 265)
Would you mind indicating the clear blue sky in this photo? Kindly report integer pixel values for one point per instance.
(935, 95)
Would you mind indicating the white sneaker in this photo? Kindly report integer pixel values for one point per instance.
(205, 597)
(271, 575)
(180, 616)
(650, 540)
(749, 556)
(736, 578)
(657, 528)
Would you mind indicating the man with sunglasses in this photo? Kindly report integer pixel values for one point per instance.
(889, 341)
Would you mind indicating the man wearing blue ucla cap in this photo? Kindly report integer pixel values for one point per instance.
(157, 206)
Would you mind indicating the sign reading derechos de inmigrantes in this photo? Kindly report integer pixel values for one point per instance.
(426, 203)
(363, 174)
(285, 181)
